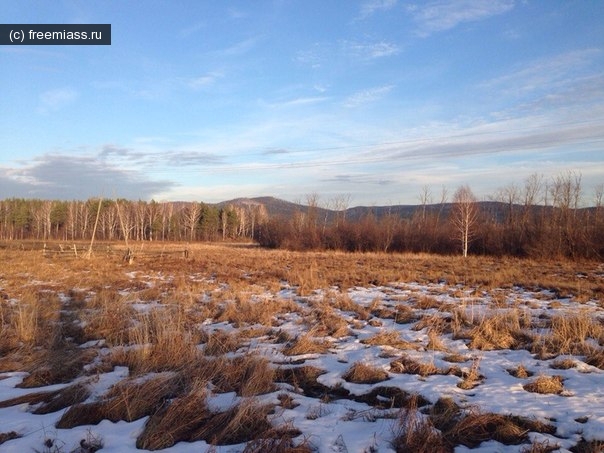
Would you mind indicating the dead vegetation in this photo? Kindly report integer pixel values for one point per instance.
(545, 385)
(160, 320)
(361, 373)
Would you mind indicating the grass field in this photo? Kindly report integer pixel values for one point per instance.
(235, 348)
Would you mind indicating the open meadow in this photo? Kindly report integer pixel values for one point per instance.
(233, 348)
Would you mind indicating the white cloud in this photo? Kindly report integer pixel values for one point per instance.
(239, 48)
(370, 7)
(546, 73)
(300, 101)
(314, 57)
(203, 81)
(192, 29)
(53, 100)
(444, 15)
(366, 96)
(368, 51)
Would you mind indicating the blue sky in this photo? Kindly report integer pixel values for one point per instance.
(373, 100)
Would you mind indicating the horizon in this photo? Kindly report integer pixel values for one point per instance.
(373, 99)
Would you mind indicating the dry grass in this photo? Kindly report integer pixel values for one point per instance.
(501, 331)
(279, 440)
(220, 342)
(407, 365)
(303, 378)
(306, 344)
(445, 413)
(475, 427)
(540, 447)
(390, 338)
(455, 358)
(593, 446)
(520, 372)
(570, 332)
(595, 357)
(5, 437)
(248, 375)
(244, 422)
(245, 311)
(177, 421)
(159, 340)
(414, 432)
(563, 364)
(128, 400)
(40, 334)
(545, 385)
(361, 373)
(63, 398)
(472, 378)
(51, 401)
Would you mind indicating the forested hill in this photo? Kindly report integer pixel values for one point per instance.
(559, 228)
(276, 207)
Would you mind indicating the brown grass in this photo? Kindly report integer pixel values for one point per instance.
(306, 344)
(414, 432)
(563, 364)
(545, 385)
(501, 331)
(540, 447)
(249, 375)
(220, 342)
(245, 311)
(445, 413)
(595, 357)
(63, 398)
(520, 372)
(40, 333)
(302, 378)
(570, 333)
(160, 340)
(475, 427)
(128, 400)
(177, 421)
(455, 358)
(407, 365)
(245, 422)
(5, 437)
(279, 440)
(472, 378)
(390, 338)
(361, 373)
(57, 366)
(585, 446)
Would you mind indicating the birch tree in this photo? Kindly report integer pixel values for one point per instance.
(464, 216)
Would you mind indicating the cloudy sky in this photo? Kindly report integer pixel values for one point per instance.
(212, 100)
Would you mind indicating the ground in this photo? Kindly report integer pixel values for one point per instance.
(232, 348)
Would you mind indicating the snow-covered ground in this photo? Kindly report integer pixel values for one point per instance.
(344, 423)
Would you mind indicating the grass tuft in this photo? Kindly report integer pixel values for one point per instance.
(361, 373)
(545, 385)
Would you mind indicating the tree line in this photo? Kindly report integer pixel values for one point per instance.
(541, 218)
(74, 220)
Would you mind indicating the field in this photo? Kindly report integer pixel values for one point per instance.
(237, 349)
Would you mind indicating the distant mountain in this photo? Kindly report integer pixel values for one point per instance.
(277, 207)
(274, 206)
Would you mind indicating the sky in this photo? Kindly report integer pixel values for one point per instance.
(374, 101)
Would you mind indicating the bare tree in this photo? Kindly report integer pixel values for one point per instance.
(425, 198)
(598, 197)
(340, 204)
(191, 214)
(464, 216)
